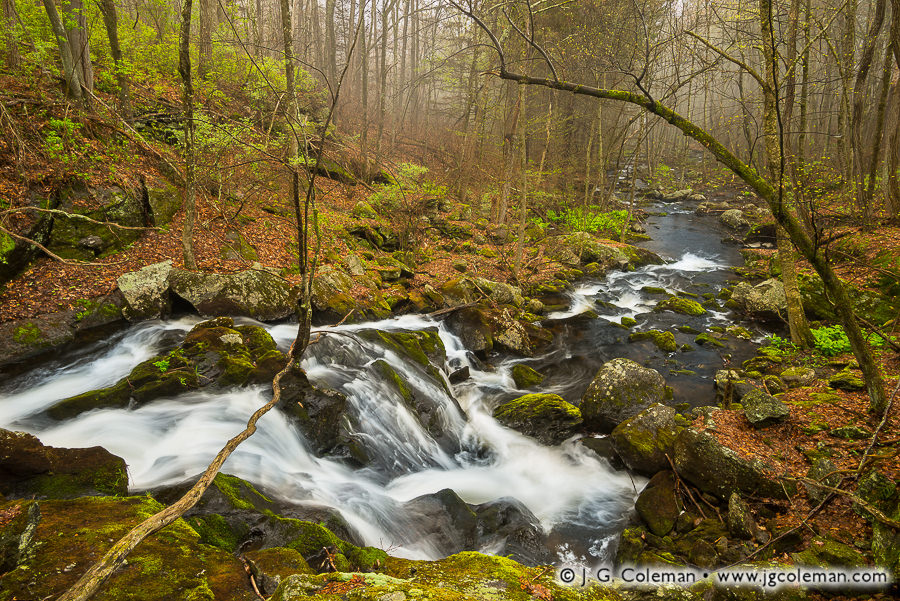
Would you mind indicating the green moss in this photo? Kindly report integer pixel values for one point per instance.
(706, 338)
(241, 494)
(628, 321)
(654, 290)
(664, 340)
(531, 406)
(526, 377)
(28, 334)
(215, 531)
(678, 304)
(398, 383)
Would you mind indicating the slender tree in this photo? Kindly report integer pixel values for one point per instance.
(187, 102)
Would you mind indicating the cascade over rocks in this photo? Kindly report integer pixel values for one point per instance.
(621, 389)
(214, 354)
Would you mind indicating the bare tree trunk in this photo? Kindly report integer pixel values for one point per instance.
(509, 146)
(523, 200)
(187, 100)
(878, 137)
(204, 42)
(13, 58)
(78, 42)
(775, 161)
(70, 72)
(863, 201)
(364, 88)
(330, 43)
(111, 21)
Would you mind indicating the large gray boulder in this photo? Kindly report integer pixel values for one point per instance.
(546, 417)
(644, 441)
(256, 293)
(717, 469)
(146, 291)
(763, 409)
(620, 390)
(766, 299)
(734, 219)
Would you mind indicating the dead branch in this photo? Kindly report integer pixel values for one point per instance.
(80, 217)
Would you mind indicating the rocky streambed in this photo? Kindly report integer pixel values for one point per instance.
(418, 438)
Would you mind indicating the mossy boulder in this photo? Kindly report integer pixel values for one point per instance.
(25, 338)
(171, 564)
(425, 347)
(824, 552)
(256, 293)
(763, 409)
(546, 417)
(363, 210)
(644, 441)
(847, 380)
(734, 219)
(658, 504)
(665, 341)
(526, 377)
(796, 377)
(766, 299)
(678, 304)
(214, 354)
(270, 566)
(582, 248)
(717, 469)
(621, 389)
(466, 576)
(28, 468)
(146, 291)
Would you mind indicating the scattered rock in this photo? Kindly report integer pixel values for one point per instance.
(719, 470)
(471, 325)
(255, 293)
(826, 553)
(644, 441)
(795, 377)
(363, 210)
(763, 409)
(740, 519)
(546, 417)
(665, 341)
(825, 471)
(146, 291)
(526, 377)
(734, 218)
(620, 389)
(657, 505)
(766, 299)
(847, 380)
(678, 304)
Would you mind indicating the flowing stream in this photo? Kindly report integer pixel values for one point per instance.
(574, 494)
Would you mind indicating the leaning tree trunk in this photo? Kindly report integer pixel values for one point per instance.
(187, 100)
(70, 73)
(204, 43)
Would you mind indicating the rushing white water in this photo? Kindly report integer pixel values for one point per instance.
(623, 288)
(170, 440)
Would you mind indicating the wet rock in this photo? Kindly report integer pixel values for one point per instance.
(215, 353)
(270, 566)
(620, 389)
(644, 441)
(665, 341)
(460, 375)
(512, 335)
(546, 417)
(255, 293)
(320, 414)
(719, 470)
(28, 468)
(731, 387)
(146, 291)
(657, 505)
(677, 196)
(582, 248)
(452, 525)
(763, 409)
(678, 304)
(526, 377)
(766, 299)
(510, 529)
(25, 338)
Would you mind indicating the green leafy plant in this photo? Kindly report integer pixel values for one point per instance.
(162, 365)
(590, 219)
